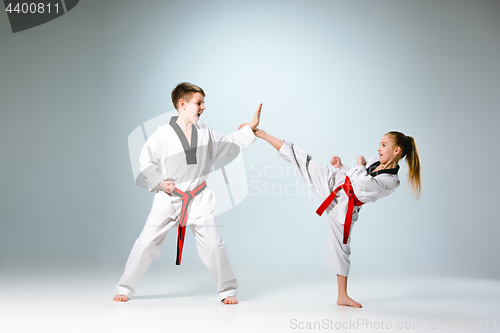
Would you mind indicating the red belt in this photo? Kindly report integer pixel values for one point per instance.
(347, 187)
(186, 198)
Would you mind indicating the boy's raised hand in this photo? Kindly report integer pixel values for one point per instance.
(256, 118)
(361, 160)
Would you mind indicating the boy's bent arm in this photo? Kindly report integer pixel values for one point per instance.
(232, 144)
(150, 154)
(227, 145)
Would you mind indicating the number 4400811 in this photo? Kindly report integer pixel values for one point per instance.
(32, 8)
(471, 323)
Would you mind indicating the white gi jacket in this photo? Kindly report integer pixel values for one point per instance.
(166, 155)
(324, 179)
(367, 186)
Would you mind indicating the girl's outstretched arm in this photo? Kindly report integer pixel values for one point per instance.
(275, 142)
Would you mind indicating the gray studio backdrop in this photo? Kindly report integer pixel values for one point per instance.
(334, 76)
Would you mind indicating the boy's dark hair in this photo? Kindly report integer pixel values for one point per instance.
(185, 91)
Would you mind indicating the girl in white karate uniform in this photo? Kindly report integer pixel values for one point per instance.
(344, 189)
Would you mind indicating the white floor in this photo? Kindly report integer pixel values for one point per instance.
(174, 299)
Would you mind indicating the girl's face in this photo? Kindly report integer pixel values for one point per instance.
(387, 150)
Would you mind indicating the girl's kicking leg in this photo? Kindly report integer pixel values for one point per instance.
(317, 176)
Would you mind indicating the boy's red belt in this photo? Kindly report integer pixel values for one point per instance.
(186, 198)
(347, 187)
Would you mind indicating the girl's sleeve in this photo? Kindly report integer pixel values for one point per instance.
(368, 188)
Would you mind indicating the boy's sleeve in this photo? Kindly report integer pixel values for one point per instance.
(150, 155)
(227, 145)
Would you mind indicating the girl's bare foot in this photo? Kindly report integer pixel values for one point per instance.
(243, 125)
(347, 301)
(120, 298)
(230, 300)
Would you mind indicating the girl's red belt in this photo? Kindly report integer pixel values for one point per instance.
(186, 198)
(347, 187)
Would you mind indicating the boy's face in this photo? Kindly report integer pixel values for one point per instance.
(194, 108)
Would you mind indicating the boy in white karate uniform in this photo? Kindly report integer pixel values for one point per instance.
(186, 150)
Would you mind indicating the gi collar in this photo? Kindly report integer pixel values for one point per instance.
(376, 164)
(189, 150)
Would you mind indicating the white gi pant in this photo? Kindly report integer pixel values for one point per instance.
(323, 180)
(211, 251)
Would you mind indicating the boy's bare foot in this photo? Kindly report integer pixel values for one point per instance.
(347, 301)
(230, 300)
(120, 298)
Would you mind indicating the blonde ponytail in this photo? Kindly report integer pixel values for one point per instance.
(409, 149)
